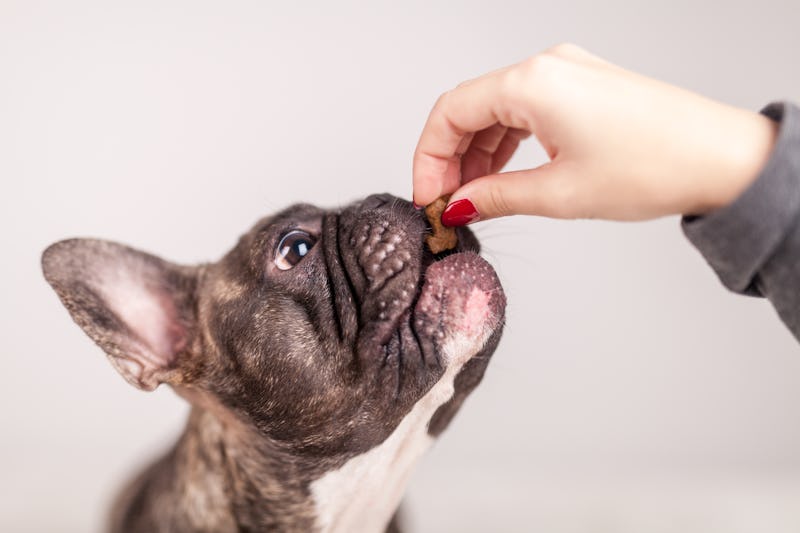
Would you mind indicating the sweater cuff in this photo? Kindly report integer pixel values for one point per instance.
(737, 240)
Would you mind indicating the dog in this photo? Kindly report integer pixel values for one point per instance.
(321, 356)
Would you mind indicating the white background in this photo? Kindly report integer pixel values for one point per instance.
(631, 391)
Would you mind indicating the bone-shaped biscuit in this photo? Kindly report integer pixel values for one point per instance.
(442, 238)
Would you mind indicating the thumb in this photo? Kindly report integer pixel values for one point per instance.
(548, 190)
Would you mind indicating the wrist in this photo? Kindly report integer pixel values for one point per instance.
(742, 145)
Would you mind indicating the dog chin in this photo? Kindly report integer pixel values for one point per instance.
(461, 302)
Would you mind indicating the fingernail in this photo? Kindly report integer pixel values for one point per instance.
(460, 213)
(417, 207)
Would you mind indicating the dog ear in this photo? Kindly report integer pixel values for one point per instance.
(137, 307)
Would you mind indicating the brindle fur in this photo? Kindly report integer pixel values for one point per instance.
(289, 373)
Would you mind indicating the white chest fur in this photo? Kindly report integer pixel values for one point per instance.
(362, 495)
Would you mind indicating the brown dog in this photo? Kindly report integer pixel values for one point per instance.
(321, 356)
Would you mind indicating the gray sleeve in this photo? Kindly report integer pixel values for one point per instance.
(754, 244)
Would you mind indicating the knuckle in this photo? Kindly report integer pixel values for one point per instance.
(508, 86)
(442, 110)
(498, 200)
(566, 50)
(540, 68)
(528, 86)
(464, 83)
(442, 100)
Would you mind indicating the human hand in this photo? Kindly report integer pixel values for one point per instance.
(622, 146)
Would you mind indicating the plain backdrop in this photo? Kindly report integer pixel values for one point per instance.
(631, 392)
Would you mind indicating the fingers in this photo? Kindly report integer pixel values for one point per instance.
(506, 148)
(478, 158)
(489, 151)
(470, 107)
(488, 139)
(474, 129)
(546, 191)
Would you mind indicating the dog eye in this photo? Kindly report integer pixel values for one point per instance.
(293, 248)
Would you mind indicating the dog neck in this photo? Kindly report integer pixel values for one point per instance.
(364, 493)
(224, 477)
(218, 478)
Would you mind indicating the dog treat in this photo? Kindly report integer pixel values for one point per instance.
(442, 238)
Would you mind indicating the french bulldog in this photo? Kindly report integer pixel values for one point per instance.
(321, 356)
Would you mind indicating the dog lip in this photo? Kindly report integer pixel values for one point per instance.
(428, 331)
(395, 304)
(461, 292)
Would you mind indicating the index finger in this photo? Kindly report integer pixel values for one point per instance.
(458, 113)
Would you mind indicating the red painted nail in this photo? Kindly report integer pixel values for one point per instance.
(460, 213)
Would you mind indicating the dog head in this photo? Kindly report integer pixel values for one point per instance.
(321, 329)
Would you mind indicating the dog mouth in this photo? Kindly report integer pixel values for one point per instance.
(460, 300)
(416, 312)
(458, 303)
